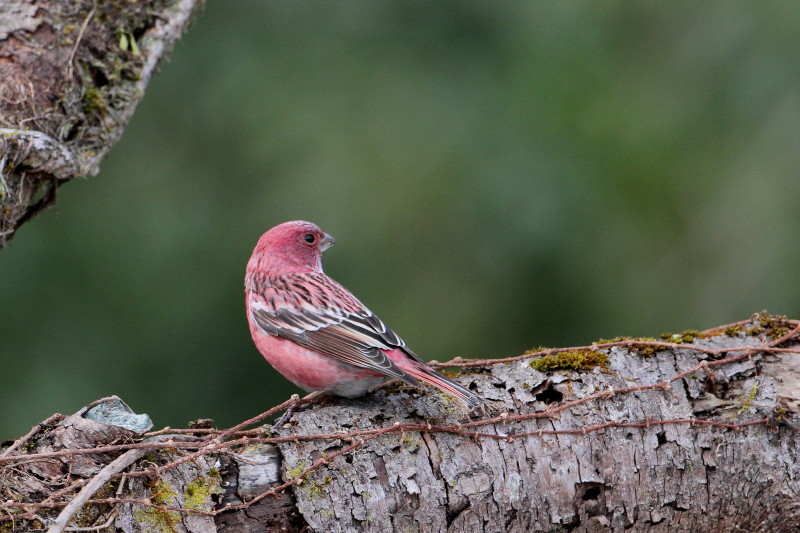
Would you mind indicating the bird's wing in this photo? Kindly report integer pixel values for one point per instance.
(318, 313)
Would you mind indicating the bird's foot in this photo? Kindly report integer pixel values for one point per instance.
(285, 417)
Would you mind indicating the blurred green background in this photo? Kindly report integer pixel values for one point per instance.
(498, 175)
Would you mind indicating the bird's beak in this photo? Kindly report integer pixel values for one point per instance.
(326, 242)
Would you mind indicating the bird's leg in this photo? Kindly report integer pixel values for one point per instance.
(292, 408)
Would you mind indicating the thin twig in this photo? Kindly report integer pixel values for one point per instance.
(34, 430)
(80, 37)
(114, 467)
(787, 337)
(205, 445)
(102, 526)
(320, 462)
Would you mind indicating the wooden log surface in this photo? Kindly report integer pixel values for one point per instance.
(697, 432)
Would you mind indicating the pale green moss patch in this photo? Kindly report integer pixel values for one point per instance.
(197, 494)
(160, 520)
(751, 397)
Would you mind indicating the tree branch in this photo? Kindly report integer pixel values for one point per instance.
(697, 432)
(74, 73)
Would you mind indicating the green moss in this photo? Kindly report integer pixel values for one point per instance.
(751, 397)
(93, 101)
(747, 329)
(411, 441)
(763, 323)
(159, 520)
(775, 326)
(88, 514)
(197, 493)
(571, 360)
(297, 470)
(22, 525)
(316, 486)
(733, 331)
(646, 351)
(313, 484)
(151, 457)
(684, 337)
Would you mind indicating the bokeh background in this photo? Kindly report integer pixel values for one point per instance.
(499, 175)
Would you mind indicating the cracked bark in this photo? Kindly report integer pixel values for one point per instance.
(660, 477)
(675, 477)
(71, 75)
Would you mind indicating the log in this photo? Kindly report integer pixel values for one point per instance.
(695, 432)
(71, 75)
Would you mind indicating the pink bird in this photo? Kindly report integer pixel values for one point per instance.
(317, 334)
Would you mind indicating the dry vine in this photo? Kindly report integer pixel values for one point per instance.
(194, 443)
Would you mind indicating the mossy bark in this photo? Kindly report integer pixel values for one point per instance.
(671, 477)
(71, 74)
(637, 473)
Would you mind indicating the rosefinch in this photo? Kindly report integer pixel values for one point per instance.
(313, 331)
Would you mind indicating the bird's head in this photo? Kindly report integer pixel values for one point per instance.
(290, 248)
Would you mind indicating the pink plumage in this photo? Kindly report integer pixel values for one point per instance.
(314, 331)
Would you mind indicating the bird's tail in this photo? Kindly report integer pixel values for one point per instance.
(430, 376)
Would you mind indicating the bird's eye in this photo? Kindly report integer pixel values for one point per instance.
(310, 238)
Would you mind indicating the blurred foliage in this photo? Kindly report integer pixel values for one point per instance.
(499, 175)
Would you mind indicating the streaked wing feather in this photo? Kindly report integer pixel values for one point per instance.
(313, 310)
(356, 339)
(267, 323)
(336, 342)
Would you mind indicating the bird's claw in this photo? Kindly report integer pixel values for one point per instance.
(284, 418)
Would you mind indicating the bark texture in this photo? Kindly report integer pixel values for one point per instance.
(714, 449)
(71, 74)
(673, 477)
